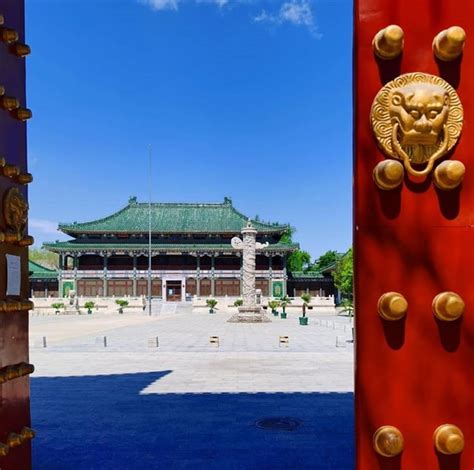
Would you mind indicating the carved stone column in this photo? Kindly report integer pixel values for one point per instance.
(134, 281)
(105, 293)
(213, 278)
(198, 276)
(249, 312)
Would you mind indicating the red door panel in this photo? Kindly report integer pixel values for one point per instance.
(416, 373)
(15, 435)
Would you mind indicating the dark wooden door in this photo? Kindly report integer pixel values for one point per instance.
(173, 291)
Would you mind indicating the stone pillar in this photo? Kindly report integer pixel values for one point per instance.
(213, 280)
(105, 293)
(249, 312)
(270, 275)
(241, 275)
(134, 281)
(198, 276)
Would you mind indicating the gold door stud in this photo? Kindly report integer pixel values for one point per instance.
(448, 306)
(449, 43)
(388, 441)
(388, 42)
(448, 439)
(392, 306)
(449, 175)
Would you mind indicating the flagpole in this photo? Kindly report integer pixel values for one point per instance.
(149, 229)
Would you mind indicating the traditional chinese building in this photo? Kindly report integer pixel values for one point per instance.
(191, 252)
(43, 280)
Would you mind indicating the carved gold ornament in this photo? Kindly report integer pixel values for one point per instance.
(417, 118)
(15, 209)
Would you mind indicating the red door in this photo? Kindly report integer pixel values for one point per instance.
(415, 242)
(15, 435)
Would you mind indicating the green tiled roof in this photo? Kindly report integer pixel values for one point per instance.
(40, 272)
(309, 275)
(73, 246)
(172, 218)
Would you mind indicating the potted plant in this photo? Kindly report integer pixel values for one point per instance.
(121, 303)
(89, 305)
(306, 298)
(238, 303)
(348, 307)
(274, 304)
(284, 302)
(211, 303)
(57, 307)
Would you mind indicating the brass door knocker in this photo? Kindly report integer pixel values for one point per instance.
(417, 119)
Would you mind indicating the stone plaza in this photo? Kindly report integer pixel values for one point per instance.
(162, 395)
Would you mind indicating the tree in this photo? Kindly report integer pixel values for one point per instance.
(45, 258)
(344, 274)
(325, 260)
(298, 261)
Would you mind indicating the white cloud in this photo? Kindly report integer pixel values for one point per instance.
(43, 226)
(297, 12)
(158, 5)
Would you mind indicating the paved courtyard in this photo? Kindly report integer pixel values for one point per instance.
(188, 403)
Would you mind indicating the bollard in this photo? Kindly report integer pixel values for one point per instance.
(214, 341)
(284, 341)
(153, 342)
(44, 342)
(105, 341)
(340, 344)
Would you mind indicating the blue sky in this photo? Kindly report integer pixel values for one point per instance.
(241, 98)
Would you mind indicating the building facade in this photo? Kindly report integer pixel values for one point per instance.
(191, 253)
(43, 280)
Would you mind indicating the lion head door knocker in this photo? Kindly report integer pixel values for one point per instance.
(15, 210)
(417, 119)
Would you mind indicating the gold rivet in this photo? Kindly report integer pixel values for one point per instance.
(2, 90)
(392, 306)
(388, 42)
(28, 433)
(449, 175)
(388, 174)
(2, 20)
(23, 114)
(20, 50)
(9, 103)
(14, 440)
(448, 306)
(4, 449)
(13, 372)
(388, 441)
(12, 237)
(26, 369)
(449, 439)
(8, 35)
(449, 43)
(25, 178)
(11, 171)
(26, 241)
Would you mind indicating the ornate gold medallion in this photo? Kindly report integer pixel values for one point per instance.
(417, 118)
(15, 209)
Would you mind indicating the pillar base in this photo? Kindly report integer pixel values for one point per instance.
(252, 314)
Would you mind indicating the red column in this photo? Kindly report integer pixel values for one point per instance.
(416, 373)
(15, 440)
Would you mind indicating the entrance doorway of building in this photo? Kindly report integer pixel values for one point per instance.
(173, 291)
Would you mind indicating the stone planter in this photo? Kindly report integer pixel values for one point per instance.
(303, 321)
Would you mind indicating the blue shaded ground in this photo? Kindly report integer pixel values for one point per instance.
(102, 422)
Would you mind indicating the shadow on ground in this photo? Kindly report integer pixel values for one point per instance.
(102, 422)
